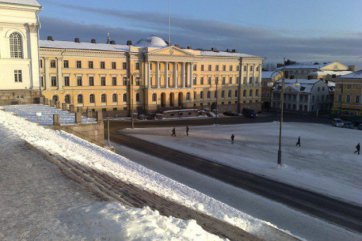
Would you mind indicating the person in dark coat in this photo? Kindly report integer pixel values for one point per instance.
(187, 130)
(298, 142)
(173, 132)
(358, 149)
(232, 138)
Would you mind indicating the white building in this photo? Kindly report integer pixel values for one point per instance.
(303, 95)
(19, 58)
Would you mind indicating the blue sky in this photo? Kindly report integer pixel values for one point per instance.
(305, 30)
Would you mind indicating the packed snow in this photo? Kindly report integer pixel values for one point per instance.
(43, 114)
(324, 163)
(39, 203)
(93, 156)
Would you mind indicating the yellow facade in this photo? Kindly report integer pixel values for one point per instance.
(130, 78)
(348, 95)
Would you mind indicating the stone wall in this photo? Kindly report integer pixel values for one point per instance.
(93, 133)
(16, 97)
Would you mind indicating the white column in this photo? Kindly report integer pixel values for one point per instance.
(183, 74)
(158, 74)
(47, 83)
(191, 80)
(175, 79)
(60, 82)
(166, 74)
(147, 75)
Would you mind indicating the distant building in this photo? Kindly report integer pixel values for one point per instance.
(315, 70)
(267, 83)
(19, 69)
(348, 94)
(302, 95)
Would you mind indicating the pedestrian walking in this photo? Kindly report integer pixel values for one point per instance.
(298, 142)
(173, 132)
(232, 138)
(358, 149)
(187, 130)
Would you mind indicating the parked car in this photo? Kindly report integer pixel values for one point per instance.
(359, 127)
(348, 124)
(230, 113)
(249, 113)
(337, 122)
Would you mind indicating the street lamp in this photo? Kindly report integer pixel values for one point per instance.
(281, 121)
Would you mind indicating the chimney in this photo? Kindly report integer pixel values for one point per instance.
(112, 42)
(50, 38)
(129, 42)
(93, 41)
(77, 40)
(233, 50)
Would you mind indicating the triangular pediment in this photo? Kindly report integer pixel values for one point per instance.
(171, 51)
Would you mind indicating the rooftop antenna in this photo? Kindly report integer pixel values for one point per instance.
(108, 38)
(169, 22)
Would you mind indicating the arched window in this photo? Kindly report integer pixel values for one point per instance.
(154, 97)
(55, 99)
(188, 96)
(67, 99)
(104, 98)
(115, 98)
(92, 99)
(80, 99)
(16, 46)
(124, 97)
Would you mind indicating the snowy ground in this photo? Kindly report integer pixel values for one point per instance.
(325, 163)
(38, 203)
(87, 154)
(303, 225)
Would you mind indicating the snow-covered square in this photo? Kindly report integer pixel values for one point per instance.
(324, 163)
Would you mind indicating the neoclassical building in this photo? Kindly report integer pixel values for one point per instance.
(19, 75)
(149, 75)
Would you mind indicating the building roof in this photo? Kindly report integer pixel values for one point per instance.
(306, 65)
(224, 54)
(83, 45)
(300, 85)
(33, 3)
(354, 75)
(269, 74)
(152, 42)
(331, 72)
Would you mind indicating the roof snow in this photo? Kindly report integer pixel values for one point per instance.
(306, 66)
(331, 72)
(34, 3)
(224, 54)
(82, 45)
(302, 85)
(354, 75)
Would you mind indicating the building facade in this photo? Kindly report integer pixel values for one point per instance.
(348, 94)
(302, 96)
(19, 75)
(269, 78)
(148, 76)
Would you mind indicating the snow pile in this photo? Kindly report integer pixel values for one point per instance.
(324, 163)
(43, 114)
(112, 221)
(73, 148)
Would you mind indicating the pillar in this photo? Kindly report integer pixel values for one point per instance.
(99, 116)
(60, 80)
(191, 80)
(56, 120)
(47, 83)
(78, 117)
(57, 105)
(183, 75)
(158, 74)
(175, 75)
(64, 106)
(71, 108)
(166, 74)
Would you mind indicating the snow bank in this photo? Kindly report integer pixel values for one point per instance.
(112, 221)
(73, 148)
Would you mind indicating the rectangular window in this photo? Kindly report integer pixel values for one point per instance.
(125, 82)
(236, 93)
(103, 81)
(137, 66)
(114, 65)
(210, 67)
(79, 81)
(231, 68)
(202, 81)
(224, 68)
(357, 99)
(18, 76)
(41, 63)
(202, 68)
(124, 65)
(91, 81)
(54, 81)
(42, 81)
(230, 80)
(245, 68)
(114, 81)
(217, 67)
(209, 80)
(102, 65)
(66, 64)
(195, 81)
(53, 64)
(66, 81)
(223, 80)
(201, 95)
(79, 64)
(195, 67)
(90, 65)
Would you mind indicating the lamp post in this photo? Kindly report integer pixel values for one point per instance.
(281, 119)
